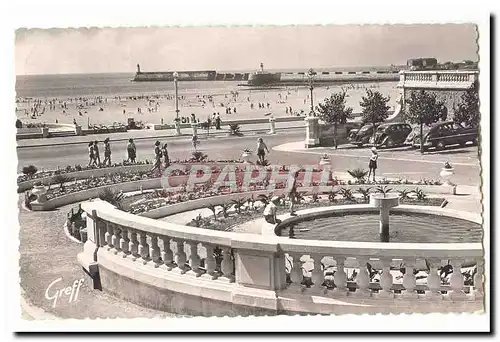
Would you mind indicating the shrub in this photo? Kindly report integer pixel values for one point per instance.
(19, 124)
(61, 179)
(332, 195)
(225, 207)
(358, 174)
(234, 129)
(199, 156)
(263, 163)
(213, 208)
(347, 194)
(420, 194)
(115, 198)
(365, 193)
(238, 203)
(404, 194)
(78, 167)
(383, 190)
(30, 170)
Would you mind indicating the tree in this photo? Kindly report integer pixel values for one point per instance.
(423, 108)
(375, 108)
(334, 111)
(467, 111)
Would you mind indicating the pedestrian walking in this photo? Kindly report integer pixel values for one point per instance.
(261, 150)
(107, 152)
(217, 122)
(372, 166)
(292, 195)
(91, 153)
(158, 155)
(97, 156)
(164, 151)
(195, 142)
(131, 150)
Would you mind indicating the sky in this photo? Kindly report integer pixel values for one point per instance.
(96, 50)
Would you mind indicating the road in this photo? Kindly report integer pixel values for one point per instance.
(395, 163)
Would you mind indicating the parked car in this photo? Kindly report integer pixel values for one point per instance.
(448, 133)
(391, 134)
(361, 136)
(413, 139)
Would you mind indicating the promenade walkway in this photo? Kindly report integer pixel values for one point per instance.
(47, 254)
(254, 129)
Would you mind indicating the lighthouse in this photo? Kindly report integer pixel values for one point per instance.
(138, 69)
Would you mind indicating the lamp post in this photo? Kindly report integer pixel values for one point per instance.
(176, 77)
(310, 75)
(177, 120)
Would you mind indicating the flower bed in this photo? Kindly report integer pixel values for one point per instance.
(225, 218)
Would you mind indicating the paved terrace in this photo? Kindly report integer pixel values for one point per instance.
(47, 253)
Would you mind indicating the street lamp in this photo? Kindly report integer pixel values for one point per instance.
(310, 75)
(176, 77)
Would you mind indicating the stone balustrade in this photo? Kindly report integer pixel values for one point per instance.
(198, 271)
(438, 79)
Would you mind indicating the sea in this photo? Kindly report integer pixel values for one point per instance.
(120, 84)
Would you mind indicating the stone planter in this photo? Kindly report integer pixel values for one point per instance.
(246, 157)
(324, 161)
(39, 191)
(446, 174)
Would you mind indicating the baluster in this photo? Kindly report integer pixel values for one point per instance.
(227, 266)
(154, 250)
(194, 259)
(115, 239)
(133, 245)
(210, 262)
(340, 277)
(166, 254)
(434, 280)
(457, 280)
(386, 279)
(124, 242)
(363, 278)
(478, 279)
(108, 235)
(409, 279)
(102, 229)
(143, 249)
(180, 256)
(296, 275)
(318, 275)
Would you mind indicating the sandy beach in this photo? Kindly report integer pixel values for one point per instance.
(155, 107)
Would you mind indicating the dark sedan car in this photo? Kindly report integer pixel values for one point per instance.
(391, 135)
(448, 133)
(361, 136)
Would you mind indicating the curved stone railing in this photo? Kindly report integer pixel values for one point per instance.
(174, 268)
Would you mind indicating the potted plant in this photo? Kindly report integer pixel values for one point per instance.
(447, 172)
(246, 155)
(325, 160)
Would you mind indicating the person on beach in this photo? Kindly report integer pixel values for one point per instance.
(131, 150)
(158, 155)
(164, 151)
(261, 150)
(97, 157)
(372, 166)
(107, 152)
(217, 122)
(292, 195)
(91, 153)
(270, 211)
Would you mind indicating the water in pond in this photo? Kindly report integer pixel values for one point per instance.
(404, 227)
